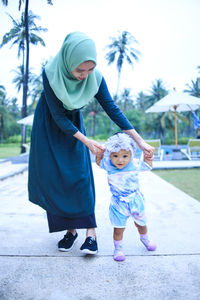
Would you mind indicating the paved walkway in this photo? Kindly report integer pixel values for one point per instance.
(13, 166)
(31, 268)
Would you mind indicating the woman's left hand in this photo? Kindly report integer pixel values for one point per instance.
(147, 150)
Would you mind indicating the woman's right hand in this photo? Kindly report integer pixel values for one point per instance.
(95, 147)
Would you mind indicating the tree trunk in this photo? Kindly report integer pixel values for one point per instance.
(93, 125)
(118, 81)
(25, 81)
(1, 128)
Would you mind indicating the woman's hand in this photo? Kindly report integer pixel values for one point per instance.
(96, 148)
(147, 150)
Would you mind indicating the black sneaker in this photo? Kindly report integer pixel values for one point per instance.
(89, 246)
(67, 243)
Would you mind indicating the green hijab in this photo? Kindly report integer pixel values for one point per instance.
(76, 49)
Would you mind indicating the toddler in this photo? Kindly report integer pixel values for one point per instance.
(127, 200)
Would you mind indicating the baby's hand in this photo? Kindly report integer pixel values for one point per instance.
(99, 156)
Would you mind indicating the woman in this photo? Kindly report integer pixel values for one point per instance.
(60, 172)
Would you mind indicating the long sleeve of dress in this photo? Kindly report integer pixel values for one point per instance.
(58, 112)
(104, 98)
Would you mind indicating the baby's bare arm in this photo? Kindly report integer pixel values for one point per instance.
(148, 162)
(98, 160)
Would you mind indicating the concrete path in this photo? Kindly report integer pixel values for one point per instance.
(31, 268)
(13, 165)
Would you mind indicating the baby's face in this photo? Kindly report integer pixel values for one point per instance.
(121, 158)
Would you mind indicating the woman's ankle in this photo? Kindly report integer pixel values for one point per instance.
(91, 232)
(72, 231)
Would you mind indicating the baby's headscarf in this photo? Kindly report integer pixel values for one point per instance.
(120, 141)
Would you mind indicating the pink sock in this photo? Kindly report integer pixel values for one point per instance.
(118, 253)
(117, 243)
(148, 244)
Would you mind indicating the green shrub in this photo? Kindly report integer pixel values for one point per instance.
(181, 140)
(16, 139)
(101, 137)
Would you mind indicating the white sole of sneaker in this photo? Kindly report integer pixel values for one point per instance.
(69, 249)
(87, 251)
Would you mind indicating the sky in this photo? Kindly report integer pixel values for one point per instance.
(167, 32)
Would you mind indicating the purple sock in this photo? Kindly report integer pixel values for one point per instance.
(118, 252)
(145, 240)
(144, 236)
(117, 243)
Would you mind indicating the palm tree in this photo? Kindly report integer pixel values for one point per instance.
(5, 2)
(157, 92)
(17, 35)
(121, 50)
(25, 83)
(19, 77)
(194, 88)
(126, 99)
(37, 87)
(142, 101)
(93, 109)
(3, 110)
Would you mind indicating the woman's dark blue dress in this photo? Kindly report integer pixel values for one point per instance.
(60, 172)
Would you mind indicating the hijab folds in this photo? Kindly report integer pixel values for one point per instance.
(76, 49)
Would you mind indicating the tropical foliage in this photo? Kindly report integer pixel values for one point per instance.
(27, 20)
(9, 112)
(97, 123)
(121, 50)
(194, 88)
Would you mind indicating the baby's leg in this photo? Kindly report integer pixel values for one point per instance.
(118, 220)
(144, 237)
(118, 234)
(118, 237)
(141, 229)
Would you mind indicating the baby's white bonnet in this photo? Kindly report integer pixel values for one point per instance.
(120, 141)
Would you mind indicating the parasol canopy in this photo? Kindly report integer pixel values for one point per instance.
(26, 121)
(175, 102)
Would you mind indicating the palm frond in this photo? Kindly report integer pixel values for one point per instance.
(121, 50)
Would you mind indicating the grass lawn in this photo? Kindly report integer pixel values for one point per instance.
(8, 150)
(187, 180)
